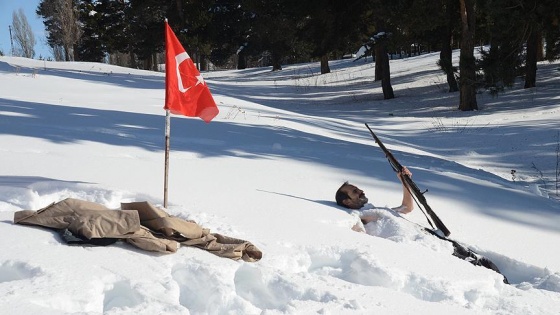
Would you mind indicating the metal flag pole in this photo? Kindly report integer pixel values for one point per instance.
(166, 173)
(167, 134)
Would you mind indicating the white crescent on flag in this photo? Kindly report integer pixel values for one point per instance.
(178, 59)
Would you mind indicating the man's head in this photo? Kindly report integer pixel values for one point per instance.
(350, 196)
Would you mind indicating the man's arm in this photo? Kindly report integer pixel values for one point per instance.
(407, 204)
(364, 219)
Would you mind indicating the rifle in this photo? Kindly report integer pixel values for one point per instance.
(417, 195)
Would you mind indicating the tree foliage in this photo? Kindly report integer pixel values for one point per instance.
(245, 33)
(331, 27)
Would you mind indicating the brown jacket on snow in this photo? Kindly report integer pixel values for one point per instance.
(138, 223)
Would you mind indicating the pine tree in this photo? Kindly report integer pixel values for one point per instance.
(274, 29)
(229, 32)
(503, 62)
(145, 19)
(541, 15)
(331, 27)
(91, 46)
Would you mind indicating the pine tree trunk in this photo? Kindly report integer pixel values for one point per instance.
(531, 60)
(446, 53)
(66, 53)
(378, 66)
(540, 47)
(382, 64)
(147, 63)
(203, 63)
(276, 62)
(194, 58)
(325, 64)
(75, 56)
(132, 61)
(446, 63)
(467, 67)
(241, 61)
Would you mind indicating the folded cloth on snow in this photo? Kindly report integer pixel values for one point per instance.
(137, 223)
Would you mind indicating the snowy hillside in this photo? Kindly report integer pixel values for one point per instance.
(266, 170)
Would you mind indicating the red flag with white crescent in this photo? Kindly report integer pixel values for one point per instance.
(186, 92)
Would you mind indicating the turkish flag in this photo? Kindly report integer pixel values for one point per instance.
(186, 93)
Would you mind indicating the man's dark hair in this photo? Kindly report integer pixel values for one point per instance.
(341, 195)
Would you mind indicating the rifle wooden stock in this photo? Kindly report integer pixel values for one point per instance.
(414, 190)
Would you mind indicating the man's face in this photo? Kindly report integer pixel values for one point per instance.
(356, 197)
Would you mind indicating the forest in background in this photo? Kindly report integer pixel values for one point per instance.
(237, 34)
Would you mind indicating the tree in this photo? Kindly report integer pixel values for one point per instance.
(467, 62)
(196, 24)
(274, 29)
(516, 29)
(382, 65)
(552, 39)
(531, 60)
(386, 11)
(426, 24)
(146, 18)
(91, 47)
(449, 10)
(506, 33)
(23, 35)
(540, 16)
(105, 30)
(378, 43)
(229, 32)
(62, 25)
(330, 27)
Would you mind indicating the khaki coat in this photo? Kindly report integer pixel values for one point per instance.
(137, 223)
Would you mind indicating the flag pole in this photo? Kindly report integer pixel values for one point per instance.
(194, 100)
(167, 133)
(166, 173)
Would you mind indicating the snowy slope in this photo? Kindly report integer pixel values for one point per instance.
(266, 170)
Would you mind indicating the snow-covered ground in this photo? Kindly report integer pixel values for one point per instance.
(266, 170)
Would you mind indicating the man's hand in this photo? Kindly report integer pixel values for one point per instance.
(404, 171)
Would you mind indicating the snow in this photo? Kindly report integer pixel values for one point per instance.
(266, 170)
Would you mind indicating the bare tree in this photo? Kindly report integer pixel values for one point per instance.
(71, 32)
(61, 21)
(57, 52)
(23, 35)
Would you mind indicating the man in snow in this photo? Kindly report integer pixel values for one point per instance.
(354, 199)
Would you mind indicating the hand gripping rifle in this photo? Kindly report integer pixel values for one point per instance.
(412, 188)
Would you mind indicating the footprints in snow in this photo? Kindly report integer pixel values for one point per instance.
(250, 288)
(121, 295)
(16, 270)
(201, 288)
